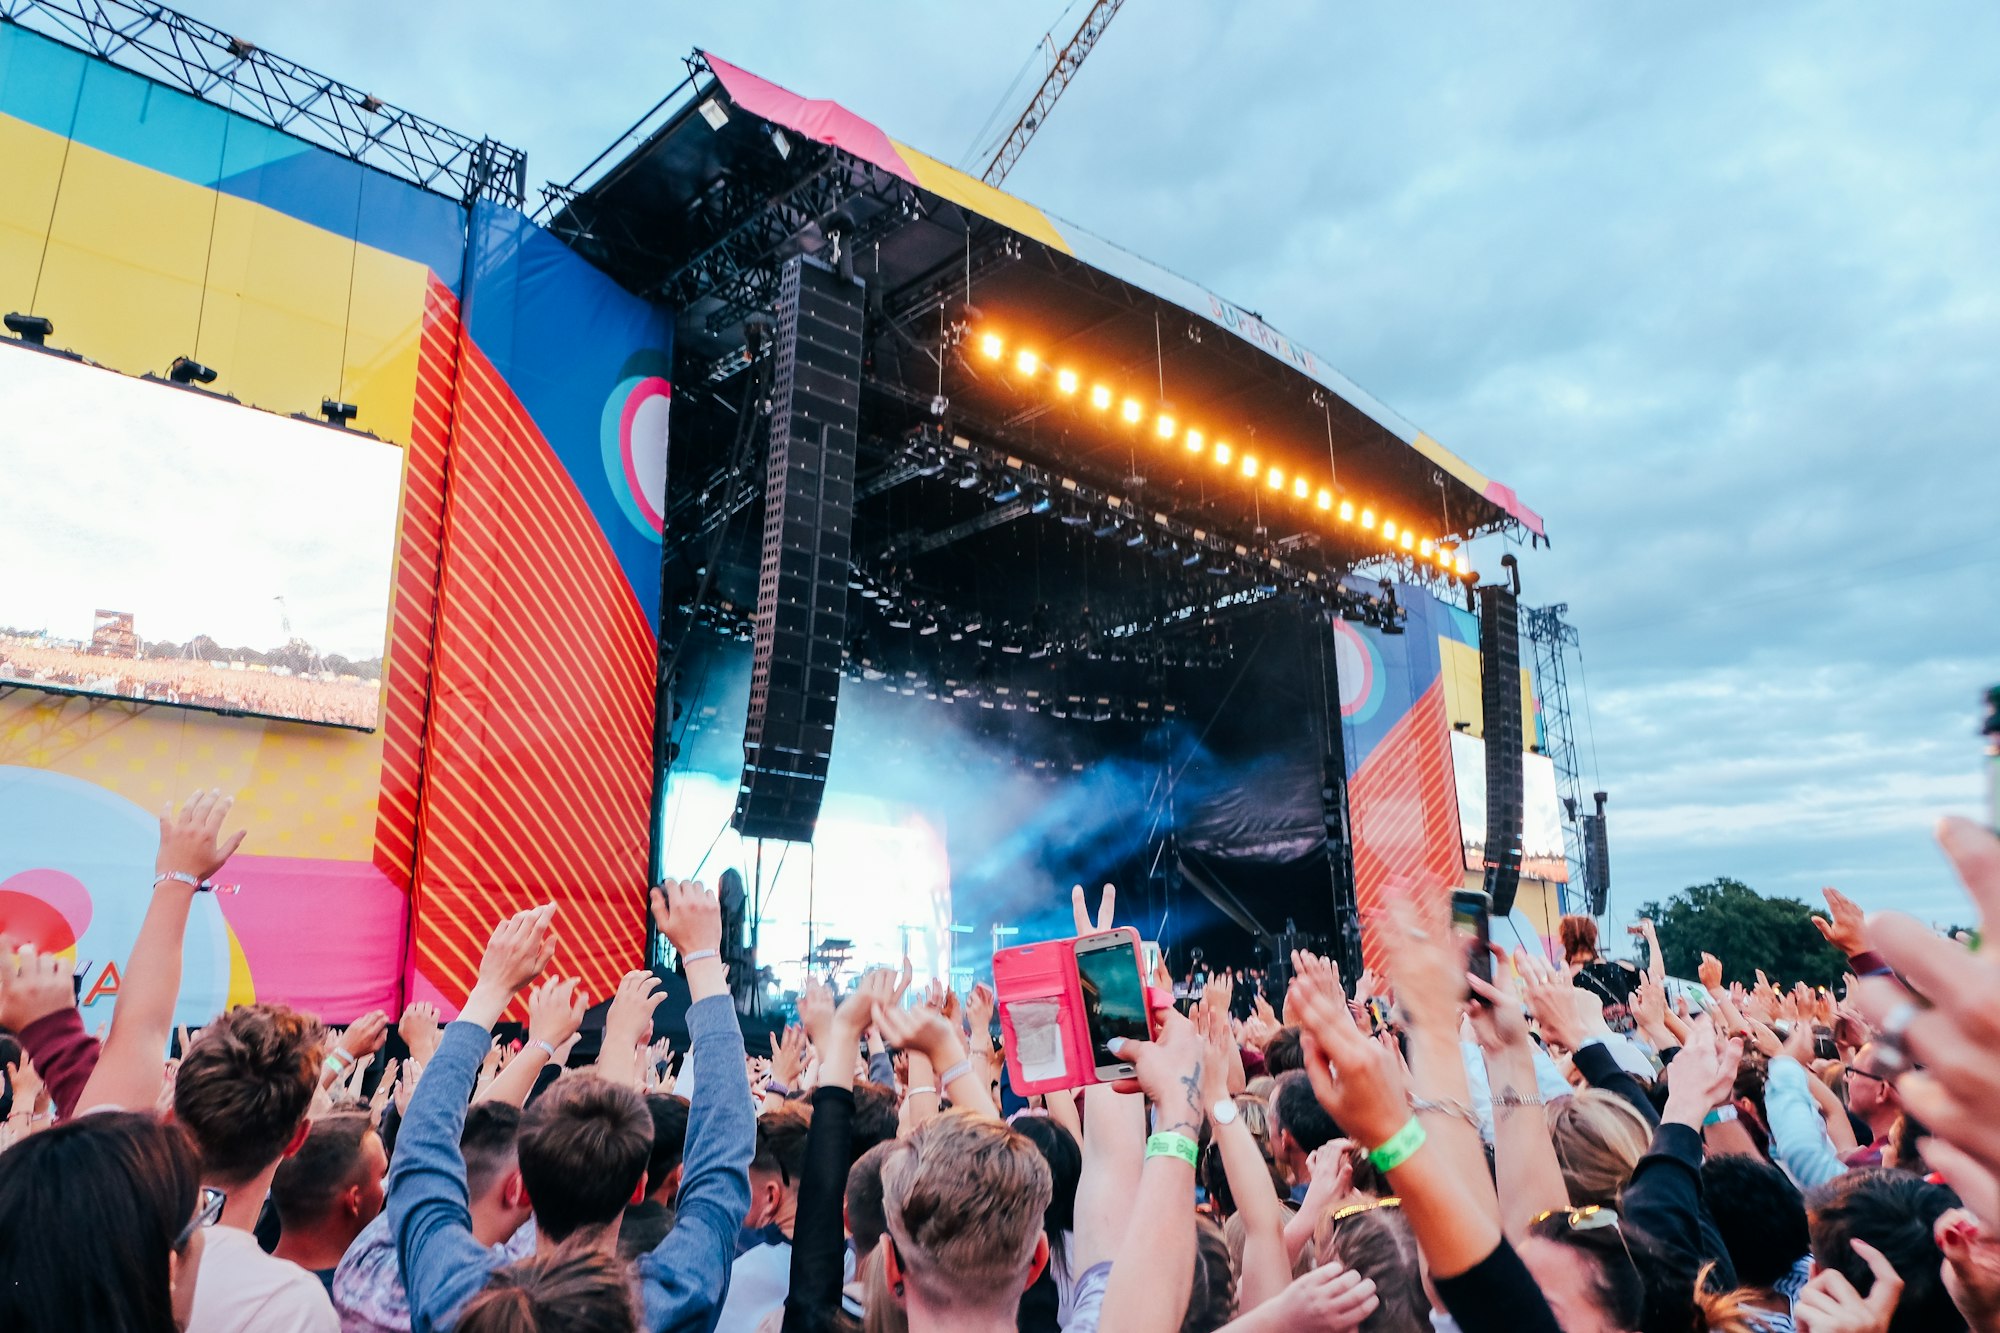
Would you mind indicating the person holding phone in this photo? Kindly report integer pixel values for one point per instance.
(1610, 982)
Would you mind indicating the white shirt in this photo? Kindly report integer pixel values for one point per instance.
(759, 1281)
(241, 1289)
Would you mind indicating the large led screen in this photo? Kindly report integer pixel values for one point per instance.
(1541, 813)
(167, 545)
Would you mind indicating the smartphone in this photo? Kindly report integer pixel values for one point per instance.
(1472, 912)
(1114, 997)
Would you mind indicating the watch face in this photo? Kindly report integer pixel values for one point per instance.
(1223, 1112)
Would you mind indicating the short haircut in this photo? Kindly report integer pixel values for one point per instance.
(573, 1289)
(244, 1086)
(874, 1117)
(670, 1131)
(488, 1142)
(1760, 1215)
(781, 1142)
(1299, 1113)
(964, 1198)
(865, 1221)
(1894, 1211)
(1284, 1053)
(583, 1150)
(307, 1183)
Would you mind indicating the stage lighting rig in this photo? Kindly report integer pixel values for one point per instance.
(187, 370)
(30, 328)
(715, 113)
(337, 412)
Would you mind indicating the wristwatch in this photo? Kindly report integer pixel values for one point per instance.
(1223, 1112)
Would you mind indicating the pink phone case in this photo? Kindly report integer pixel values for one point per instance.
(1042, 1025)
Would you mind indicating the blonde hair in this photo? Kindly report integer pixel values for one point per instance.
(1598, 1141)
(880, 1312)
(964, 1198)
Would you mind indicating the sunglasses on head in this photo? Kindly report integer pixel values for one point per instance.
(1594, 1217)
(1356, 1209)
(205, 1215)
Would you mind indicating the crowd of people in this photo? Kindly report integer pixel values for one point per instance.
(1451, 1141)
(196, 682)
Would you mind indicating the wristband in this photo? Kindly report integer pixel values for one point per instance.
(777, 1087)
(1400, 1147)
(955, 1073)
(698, 955)
(544, 1047)
(198, 885)
(926, 1090)
(1721, 1115)
(1173, 1145)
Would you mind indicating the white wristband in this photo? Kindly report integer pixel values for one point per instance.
(955, 1073)
(698, 955)
(544, 1047)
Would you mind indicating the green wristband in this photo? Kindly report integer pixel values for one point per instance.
(1400, 1148)
(1174, 1145)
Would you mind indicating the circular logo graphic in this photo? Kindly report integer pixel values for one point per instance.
(633, 433)
(1360, 672)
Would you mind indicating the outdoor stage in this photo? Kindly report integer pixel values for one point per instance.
(1017, 560)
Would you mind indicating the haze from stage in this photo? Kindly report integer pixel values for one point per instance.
(191, 513)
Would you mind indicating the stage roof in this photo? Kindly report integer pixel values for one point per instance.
(661, 221)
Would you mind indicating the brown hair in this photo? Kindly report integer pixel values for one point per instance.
(244, 1086)
(574, 1289)
(1212, 1292)
(310, 1180)
(865, 1219)
(781, 1141)
(1598, 1141)
(583, 1148)
(1578, 935)
(964, 1198)
(1378, 1244)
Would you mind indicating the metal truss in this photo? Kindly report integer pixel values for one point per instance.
(1553, 637)
(187, 54)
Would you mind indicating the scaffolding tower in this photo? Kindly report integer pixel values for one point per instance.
(1553, 637)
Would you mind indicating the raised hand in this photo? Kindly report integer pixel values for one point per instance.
(420, 1030)
(555, 1011)
(1360, 1083)
(688, 915)
(1830, 1304)
(1845, 925)
(788, 1055)
(1170, 1071)
(365, 1036)
(520, 947)
(1426, 962)
(1219, 993)
(384, 1089)
(816, 1012)
(189, 839)
(1500, 1024)
(1329, 1298)
(406, 1084)
(979, 1012)
(1709, 973)
(1552, 997)
(34, 985)
(1703, 1076)
(855, 1014)
(923, 1030)
(1106, 908)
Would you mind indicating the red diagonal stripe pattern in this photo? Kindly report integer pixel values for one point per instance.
(539, 755)
(413, 617)
(1404, 812)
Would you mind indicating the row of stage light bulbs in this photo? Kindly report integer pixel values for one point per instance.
(1069, 384)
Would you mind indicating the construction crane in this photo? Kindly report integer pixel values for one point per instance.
(1061, 71)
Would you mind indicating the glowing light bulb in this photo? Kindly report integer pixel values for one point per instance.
(1347, 511)
(1221, 451)
(1133, 411)
(1326, 499)
(1066, 381)
(1388, 529)
(1193, 440)
(1026, 362)
(1462, 567)
(1368, 519)
(1277, 479)
(1249, 465)
(1300, 489)
(1424, 548)
(1100, 397)
(1165, 426)
(1409, 540)
(990, 344)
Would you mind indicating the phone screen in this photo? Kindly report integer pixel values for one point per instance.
(1471, 911)
(1114, 998)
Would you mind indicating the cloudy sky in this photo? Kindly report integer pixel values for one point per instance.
(1714, 285)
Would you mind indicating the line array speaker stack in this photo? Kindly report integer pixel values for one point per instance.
(1596, 859)
(1500, 695)
(801, 626)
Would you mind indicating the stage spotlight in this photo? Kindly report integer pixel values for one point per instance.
(1276, 479)
(1105, 527)
(1222, 452)
(187, 370)
(1164, 426)
(1100, 397)
(1299, 488)
(1408, 540)
(1325, 499)
(1388, 529)
(1137, 539)
(969, 478)
(1347, 511)
(1192, 558)
(1193, 440)
(30, 328)
(716, 114)
(780, 142)
(1132, 411)
(1425, 548)
(1368, 520)
(1039, 502)
(1461, 567)
(1010, 491)
(1249, 465)
(337, 412)
(1066, 381)
(1352, 610)
(1026, 363)
(990, 345)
